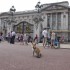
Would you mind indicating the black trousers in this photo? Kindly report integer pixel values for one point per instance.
(12, 40)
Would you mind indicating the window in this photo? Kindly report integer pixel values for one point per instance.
(54, 21)
(48, 20)
(58, 21)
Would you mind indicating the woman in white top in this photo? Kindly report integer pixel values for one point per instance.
(52, 39)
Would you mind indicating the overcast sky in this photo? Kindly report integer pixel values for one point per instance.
(22, 5)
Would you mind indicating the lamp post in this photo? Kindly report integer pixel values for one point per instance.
(38, 7)
(12, 11)
(37, 19)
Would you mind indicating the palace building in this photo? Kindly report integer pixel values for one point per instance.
(32, 22)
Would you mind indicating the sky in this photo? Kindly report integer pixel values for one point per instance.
(23, 5)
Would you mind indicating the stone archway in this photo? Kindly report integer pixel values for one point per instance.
(24, 27)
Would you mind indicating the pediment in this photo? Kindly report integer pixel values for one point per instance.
(54, 7)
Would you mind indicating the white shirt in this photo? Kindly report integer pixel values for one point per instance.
(44, 33)
(13, 33)
(25, 37)
(53, 36)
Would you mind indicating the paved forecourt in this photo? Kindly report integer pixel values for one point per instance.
(19, 57)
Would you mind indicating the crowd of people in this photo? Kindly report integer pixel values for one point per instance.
(13, 37)
(49, 39)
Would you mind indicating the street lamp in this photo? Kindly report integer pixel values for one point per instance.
(37, 19)
(38, 6)
(12, 11)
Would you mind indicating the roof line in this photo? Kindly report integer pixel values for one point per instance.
(56, 3)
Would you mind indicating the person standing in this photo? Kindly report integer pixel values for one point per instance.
(36, 39)
(0, 37)
(44, 33)
(8, 37)
(13, 34)
(48, 39)
(52, 39)
(25, 39)
(29, 39)
(21, 38)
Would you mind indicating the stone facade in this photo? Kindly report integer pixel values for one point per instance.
(56, 14)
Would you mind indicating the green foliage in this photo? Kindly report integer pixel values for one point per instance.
(19, 28)
(28, 28)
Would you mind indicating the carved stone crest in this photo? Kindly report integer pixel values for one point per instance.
(37, 19)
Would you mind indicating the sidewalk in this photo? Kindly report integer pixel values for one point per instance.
(65, 46)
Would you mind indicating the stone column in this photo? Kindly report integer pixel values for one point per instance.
(45, 21)
(64, 19)
(51, 20)
(9, 28)
(62, 22)
(37, 31)
(56, 21)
